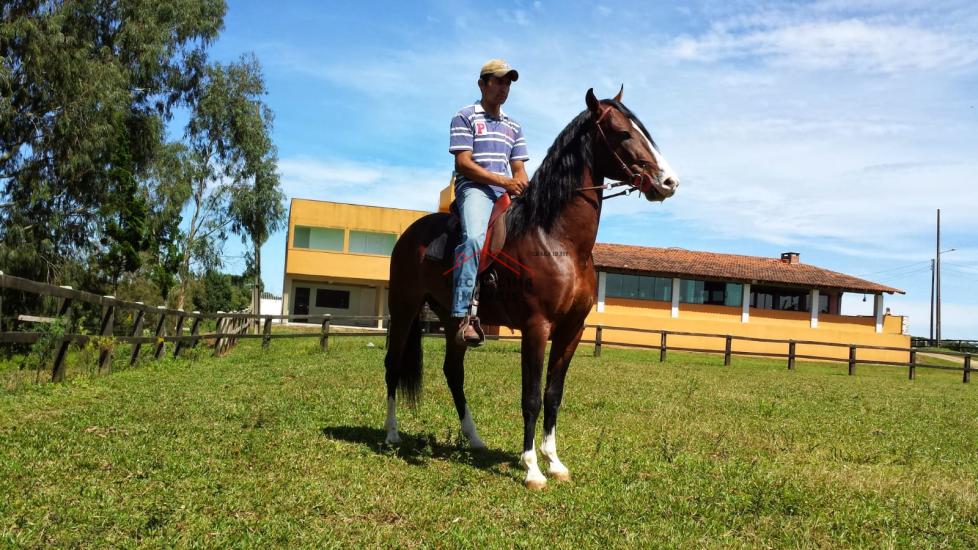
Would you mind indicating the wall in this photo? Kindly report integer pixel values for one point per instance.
(781, 325)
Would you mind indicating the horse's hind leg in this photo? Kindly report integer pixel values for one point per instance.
(403, 360)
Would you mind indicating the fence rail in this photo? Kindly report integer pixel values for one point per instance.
(233, 326)
(790, 354)
(229, 327)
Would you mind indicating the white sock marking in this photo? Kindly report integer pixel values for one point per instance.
(549, 450)
(390, 425)
(533, 473)
(468, 428)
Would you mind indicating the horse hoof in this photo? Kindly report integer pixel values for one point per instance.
(536, 484)
(478, 446)
(393, 439)
(560, 475)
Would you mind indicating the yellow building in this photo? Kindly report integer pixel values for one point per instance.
(337, 261)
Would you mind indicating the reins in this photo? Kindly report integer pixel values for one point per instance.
(639, 180)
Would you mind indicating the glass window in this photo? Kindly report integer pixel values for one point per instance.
(300, 239)
(784, 299)
(621, 285)
(335, 299)
(369, 242)
(612, 284)
(663, 289)
(692, 291)
(629, 286)
(734, 295)
(318, 238)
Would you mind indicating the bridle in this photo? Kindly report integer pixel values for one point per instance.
(639, 181)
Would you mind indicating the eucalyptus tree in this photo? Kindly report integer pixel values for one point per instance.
(235, 187)
(86, 89)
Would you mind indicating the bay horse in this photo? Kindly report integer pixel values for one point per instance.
(551, 230)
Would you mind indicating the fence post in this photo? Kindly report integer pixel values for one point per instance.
(662, 347)
(64, 312)
(267, 333)
(160, 332)
(727, 351)
(108, 318)
(324, 339)
(967, 368)
(179, 332)
(791, 355)
(913, 364)
(195, 329)
(137, 330)
(852, 360)
(218, 331)
(597, 340)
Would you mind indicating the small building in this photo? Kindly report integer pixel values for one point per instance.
(685, 291)
(337, 258)
(338, 262)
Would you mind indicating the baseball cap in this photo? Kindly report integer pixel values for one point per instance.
(498, 67)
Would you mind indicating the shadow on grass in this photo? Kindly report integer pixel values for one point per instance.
(418, 449)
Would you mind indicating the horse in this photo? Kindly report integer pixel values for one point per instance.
(551, 282)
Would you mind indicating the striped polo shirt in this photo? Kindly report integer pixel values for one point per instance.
(494, 142)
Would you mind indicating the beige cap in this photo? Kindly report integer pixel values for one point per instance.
(498, 67)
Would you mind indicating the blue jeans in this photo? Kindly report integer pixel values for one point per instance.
(475, 204)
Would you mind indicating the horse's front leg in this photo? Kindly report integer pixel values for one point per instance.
(565, 342)
(533, 350)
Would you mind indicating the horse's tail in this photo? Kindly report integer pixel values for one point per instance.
(405, 365)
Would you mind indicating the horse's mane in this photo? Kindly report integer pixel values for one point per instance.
(559, 175)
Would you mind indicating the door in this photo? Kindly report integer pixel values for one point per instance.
(301, 306)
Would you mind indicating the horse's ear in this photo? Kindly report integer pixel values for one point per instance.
(618, 97)
(592, 102)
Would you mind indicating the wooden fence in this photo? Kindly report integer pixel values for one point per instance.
(186, 331)
(789, 354)
(231, 327)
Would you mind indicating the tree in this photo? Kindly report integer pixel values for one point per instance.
(86, 88)
(235, 185)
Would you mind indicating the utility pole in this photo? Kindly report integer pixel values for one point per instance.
(933, 277)
(937, 284)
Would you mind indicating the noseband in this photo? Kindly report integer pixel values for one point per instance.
(638, 181)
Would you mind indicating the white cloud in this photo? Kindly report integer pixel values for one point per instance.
(849, 44)
(374, 183)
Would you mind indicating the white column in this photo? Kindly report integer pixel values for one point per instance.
(380, 306)
(675, 297)
(745, 312)
(878, 310)
(814, 301)
(602, 284)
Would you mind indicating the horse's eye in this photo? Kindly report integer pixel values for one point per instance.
(624, 134)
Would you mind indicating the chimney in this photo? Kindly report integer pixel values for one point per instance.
(790, 258)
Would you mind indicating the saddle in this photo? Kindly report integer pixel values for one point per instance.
(450, 237)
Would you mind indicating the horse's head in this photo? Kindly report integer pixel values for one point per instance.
(624, 150)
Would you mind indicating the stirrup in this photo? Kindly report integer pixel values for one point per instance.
(474, 323)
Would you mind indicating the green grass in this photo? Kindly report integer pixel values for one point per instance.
(284, 447)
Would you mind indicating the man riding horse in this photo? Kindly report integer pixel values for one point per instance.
(489, 150)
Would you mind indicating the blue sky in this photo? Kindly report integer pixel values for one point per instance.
(835, 129)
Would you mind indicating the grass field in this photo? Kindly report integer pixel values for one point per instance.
(284, 447)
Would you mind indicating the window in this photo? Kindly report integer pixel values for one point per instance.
(621, 285)
(368, 242)
(318, 238)
(692, 291)
(784, 299)
(723, 294)
(335, 299)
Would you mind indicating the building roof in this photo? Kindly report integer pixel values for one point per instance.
(677, 262)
